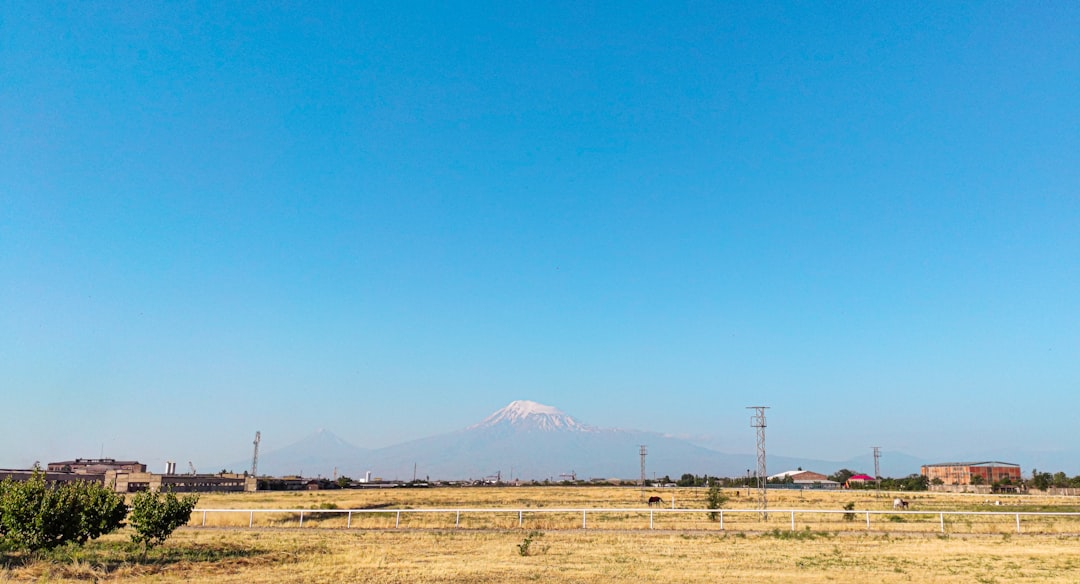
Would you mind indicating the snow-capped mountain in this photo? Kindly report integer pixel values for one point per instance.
(529, 415)
(526, 440)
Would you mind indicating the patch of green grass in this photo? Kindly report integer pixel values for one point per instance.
(796, 535)
(107, 556)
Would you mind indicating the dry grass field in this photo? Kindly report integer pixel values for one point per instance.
(610, 550)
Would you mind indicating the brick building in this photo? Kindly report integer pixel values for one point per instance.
(962, 473)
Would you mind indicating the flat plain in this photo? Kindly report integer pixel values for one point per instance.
(617, 546)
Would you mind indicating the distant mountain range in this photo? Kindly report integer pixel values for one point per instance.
(526, 440)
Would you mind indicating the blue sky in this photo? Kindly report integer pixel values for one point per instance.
(389, 220)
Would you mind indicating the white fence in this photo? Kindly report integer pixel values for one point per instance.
(933, 521)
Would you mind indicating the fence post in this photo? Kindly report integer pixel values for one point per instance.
(251, 519)
(867, 521)
(941, 518)
(583, 519)
(1017, 523)
(519, 518)
(348, 523)
(721, 520)
(793, 520)
(457, 520)
(650, 518)
(204, 518)
(398, 522)
(301, 519)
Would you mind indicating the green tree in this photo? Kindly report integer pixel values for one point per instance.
(154, 516)
(686, 480)
(1040, 480)
(715, 499)
(841, 476)
(1060, 479)
(35, 515)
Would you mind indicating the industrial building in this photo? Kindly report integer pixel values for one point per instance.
(19, 475)
(95, 466)
(133, 482)
(131, 477)
(962, 473)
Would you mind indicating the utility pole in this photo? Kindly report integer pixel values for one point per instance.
(758, 421)
(877, 468)
(643, 451)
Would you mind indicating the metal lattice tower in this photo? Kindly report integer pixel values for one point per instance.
(643, 451)
(758, 421)
(877, 466)
(255, 455)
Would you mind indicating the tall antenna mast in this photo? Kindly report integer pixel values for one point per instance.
(255, 455)
(758, 421)
(643, 451)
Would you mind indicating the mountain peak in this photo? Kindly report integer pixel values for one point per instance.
(531, 415)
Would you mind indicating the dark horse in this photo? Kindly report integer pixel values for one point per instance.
(654, 500)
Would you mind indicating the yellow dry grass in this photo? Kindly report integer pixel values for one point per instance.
(533, 501)
(587, 557)
(609, 551)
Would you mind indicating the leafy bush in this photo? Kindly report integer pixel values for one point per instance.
(525, 547)
(715, 499)
(849, 506)
(154, 516)
(35, 515)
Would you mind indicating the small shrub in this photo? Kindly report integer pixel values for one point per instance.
(715, 499)
(850, 506)
(525, 547)
(154, 516)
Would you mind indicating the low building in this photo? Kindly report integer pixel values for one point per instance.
(964, 473)
(805, 479)
(133, 482)
(859, 481)
(19, 475)
(96, 466)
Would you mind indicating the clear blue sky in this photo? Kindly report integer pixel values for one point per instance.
(390, 220)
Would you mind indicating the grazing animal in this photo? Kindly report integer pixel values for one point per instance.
(654, 500)
(899, 503)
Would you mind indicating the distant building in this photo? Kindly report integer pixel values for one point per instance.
(19, 475)
(859, 480)
(805, 479)
(128, 476)
(962, 473)
(133, 482)
(96, 466)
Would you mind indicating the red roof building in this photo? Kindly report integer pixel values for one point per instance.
(859, 480)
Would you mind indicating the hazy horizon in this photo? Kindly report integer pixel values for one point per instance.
(390, 220)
